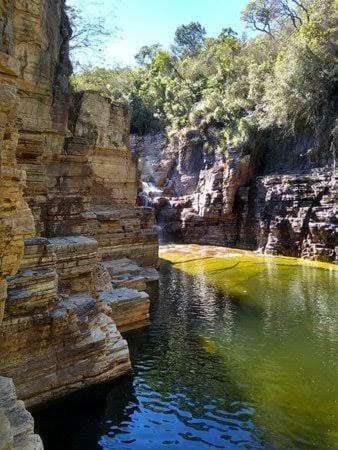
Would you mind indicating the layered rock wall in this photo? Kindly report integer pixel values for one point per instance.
(16, 424)
(16, 221)
(67, 202)
(298, 214)
(212, 197)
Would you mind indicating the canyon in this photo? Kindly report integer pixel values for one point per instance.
(77, 240)
(75, 252)
(205, 195)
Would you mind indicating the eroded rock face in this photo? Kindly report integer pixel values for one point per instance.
(297, 215)
(200, 199)
(211, 197)
(16, 221)
(16, 424)
(67, 204)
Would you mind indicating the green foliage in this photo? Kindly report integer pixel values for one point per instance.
(260, 15)
(283, 79)
(298, 93)
(114, 83)
(146, 54)
(189, 39)
(89, 33)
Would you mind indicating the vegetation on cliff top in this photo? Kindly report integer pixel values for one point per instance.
(283, 78)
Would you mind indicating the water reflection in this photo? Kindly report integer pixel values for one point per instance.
(239, 355)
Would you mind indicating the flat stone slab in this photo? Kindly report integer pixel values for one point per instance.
(69, 241)
(149, 274)
(111, 214)
(123, 295)
(121, 266)
(130, 281)
(30, 276)
(127, 268)
(129, 307)
(81, 303)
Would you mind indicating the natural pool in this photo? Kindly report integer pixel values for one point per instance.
(242, 353)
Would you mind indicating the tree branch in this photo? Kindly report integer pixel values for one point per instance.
(300, 5)
(263, 30)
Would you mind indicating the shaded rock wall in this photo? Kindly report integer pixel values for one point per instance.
(298, 214)
(16, 424)
(212, 197)
(67, 201)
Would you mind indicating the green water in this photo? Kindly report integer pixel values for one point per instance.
(277, 339)
(241, 353)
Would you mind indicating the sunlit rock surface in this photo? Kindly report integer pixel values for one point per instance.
(67, 204)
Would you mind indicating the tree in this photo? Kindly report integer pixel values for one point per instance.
(239, 91)
(261, 15)
(146, 54)
(299, 92)
(116, 83)
(268, 15)
(88, 34)
(189, 39)
(228, 32)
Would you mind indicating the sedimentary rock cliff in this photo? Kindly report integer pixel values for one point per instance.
(68, 187)
(209, 196)
(16, 424)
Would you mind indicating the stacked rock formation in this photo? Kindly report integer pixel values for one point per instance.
(298, 215)
(217, 198)
(16, 424)
(68, 187)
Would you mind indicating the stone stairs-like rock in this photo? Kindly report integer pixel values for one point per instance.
(64, 314)
(127, 273)
(129, 308)
(127, 300)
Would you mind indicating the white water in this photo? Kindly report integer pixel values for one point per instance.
(151, 189)
(149, 193)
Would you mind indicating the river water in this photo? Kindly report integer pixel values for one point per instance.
(242, 353)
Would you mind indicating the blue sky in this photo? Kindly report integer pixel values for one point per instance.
(143, 22)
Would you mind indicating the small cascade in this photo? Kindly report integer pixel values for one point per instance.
(150, 188)
(149, 192)
(147, 198)
(144, 200)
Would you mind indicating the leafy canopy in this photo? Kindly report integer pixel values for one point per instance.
(189, 39)
(283, 80)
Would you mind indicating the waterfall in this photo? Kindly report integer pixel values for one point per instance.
(150, 188)
(149, 192)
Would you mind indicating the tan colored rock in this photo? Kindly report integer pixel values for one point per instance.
(66, 168)
(16, 423)
(16, 222)
(128, 307)
(52, 342)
